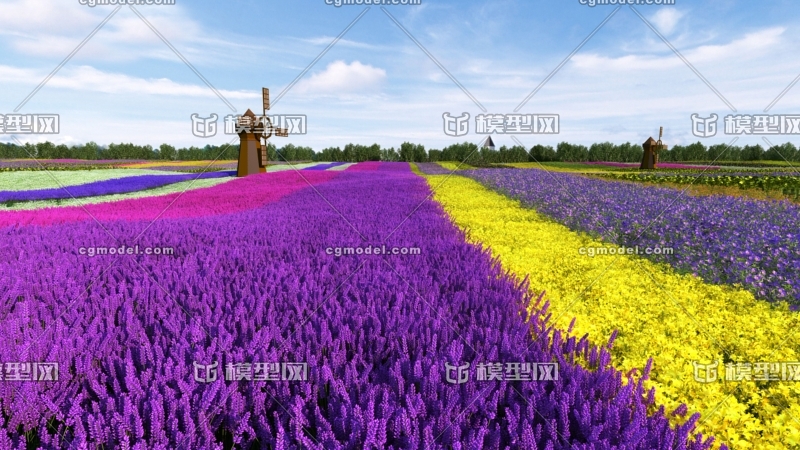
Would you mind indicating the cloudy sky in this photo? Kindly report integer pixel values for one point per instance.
(148, 69)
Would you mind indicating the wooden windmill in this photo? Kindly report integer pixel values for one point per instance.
(651, 149)
(253, 154)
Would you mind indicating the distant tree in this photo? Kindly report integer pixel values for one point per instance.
(513, 154)
(603, 151)
(541, 153)
(753, 152)
(412, 152)
(45, 150)
(627, 152)
(695, 152)
(786, 151)
(466, 152)
(572, 153)
(389, 154)
(719, 152)
(331, 154)
(462, 152)
(167, 152)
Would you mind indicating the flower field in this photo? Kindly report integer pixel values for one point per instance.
(56, 165)
(43, 189)
(326, 166)
(107, 187)
(501, 277)
(176, 188)
(569, 167)
(661, 165)
(784, 182)
(175, 165)
(723, 240)
(455, 166)
(251, 281)
(23, 181)
(435, 169)
(233, 196)
(651, 309)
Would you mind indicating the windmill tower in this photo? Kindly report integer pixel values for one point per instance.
(651, 149)
(253, 155)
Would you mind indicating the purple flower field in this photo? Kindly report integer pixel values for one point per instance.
(433, 169)
(720, 238)
(108, 187)
(259, 286)
(325, 166)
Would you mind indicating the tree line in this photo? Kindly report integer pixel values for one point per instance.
(467, 152)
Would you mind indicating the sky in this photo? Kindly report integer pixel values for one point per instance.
(394, 70)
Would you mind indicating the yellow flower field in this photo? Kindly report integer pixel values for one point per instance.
(674, 319)
(450, 165)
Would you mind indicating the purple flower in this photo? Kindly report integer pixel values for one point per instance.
(258, 286)
(719, 238)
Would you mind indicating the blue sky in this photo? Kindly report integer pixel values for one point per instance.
(376, 86)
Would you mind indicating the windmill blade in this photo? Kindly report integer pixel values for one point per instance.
(282, 132)
(265, 96)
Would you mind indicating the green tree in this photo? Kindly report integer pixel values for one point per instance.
(167, 152)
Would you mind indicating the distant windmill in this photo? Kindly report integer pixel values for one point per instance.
(253, 154)
(651, 149)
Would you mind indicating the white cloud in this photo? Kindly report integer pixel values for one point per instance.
(666, 19)
(54, 28)
(752, 45)
(87, 78)
(342, 78)
(45, 15)
(326, 40)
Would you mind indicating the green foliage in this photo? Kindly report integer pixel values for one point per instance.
(434, 155)
(167, 152)
(572, 153)
(353, 153)
(541, 153)
(787, 184)
(290, 152)
(413, 152)
(723, 152)
(466, 151)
